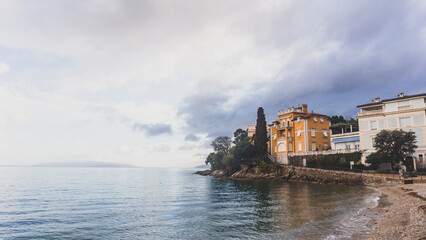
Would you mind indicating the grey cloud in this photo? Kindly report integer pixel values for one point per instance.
(191, 138)
(332, 59)
(153, 129)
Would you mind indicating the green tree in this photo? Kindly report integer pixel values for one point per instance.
(239, 135)
(222, 144)
(374, 159)
(215, 160)
(260, 137)
(339, 123)
(244, 152)
(394, 146)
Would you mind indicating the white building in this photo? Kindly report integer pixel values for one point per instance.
(406, 112)
(345, 142)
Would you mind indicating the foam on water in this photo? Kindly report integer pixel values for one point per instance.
(357, 220)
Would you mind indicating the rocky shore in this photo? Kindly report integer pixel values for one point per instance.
(301, 174)
(401, 213)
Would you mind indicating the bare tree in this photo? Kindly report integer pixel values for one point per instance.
(222, 144)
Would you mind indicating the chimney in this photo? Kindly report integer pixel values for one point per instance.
(375, 100)
(304, 108)
(400, 94)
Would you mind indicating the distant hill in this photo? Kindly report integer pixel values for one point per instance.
(85, 164)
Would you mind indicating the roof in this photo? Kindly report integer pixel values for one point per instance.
(311, 114)
(345, 139)
(392, 99)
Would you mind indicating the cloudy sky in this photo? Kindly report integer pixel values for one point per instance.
(150, 83)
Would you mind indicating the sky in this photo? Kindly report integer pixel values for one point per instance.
(151, 83)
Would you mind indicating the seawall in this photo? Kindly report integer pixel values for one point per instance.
(303, 174)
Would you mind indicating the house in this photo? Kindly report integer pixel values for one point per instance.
(406, 112)
(297, 131)
(345, 142)
(251, 129)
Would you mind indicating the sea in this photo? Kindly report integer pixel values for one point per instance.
(161, 203)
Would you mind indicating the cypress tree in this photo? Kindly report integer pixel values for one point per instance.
(260, 137)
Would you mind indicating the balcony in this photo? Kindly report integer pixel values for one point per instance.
(284, 126)
(363, 113)
(402, 108)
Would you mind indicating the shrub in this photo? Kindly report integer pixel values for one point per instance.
(263, 167)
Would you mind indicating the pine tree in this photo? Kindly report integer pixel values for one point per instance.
(260, 137)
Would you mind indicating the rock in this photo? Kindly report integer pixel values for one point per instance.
(218, 174)
(204, 173)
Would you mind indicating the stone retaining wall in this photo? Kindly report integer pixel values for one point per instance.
(314, 175)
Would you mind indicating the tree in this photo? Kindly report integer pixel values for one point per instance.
(374, 159)
(339, 124)
(260, 137)
(244, 152)
(239, 136)
(215, 160)
(394, 146)
(222, 144)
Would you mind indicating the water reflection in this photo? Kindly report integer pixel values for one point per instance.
(278, 209)
(164, 204)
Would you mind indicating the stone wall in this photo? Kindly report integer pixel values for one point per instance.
(314, 175)
(282, 159)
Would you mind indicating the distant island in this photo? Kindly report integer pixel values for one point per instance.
(85, 164)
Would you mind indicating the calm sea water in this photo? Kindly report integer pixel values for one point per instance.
(143, 203)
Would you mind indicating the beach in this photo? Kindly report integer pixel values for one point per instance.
(400, 213)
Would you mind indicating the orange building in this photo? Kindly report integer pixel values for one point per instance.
(298, 131)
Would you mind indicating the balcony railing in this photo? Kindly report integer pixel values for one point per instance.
(326, 152)
(284, 125)
(370, 112)
(401, 108)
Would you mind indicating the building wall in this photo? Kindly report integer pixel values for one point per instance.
(406, 114)
(300, 133)
(320, 139)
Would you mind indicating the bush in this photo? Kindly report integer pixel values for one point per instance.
(358, 166)
(263, 167)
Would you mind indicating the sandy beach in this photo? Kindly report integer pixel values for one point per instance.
(400, 213)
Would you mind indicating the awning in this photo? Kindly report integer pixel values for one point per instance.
(345, 139)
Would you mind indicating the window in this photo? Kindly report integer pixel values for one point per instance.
(325, 146)
(373, 125)
(283, 134)
(299, 146)
(421, 158)
(404, 122)
(356, 146)
(348, 147)
(275, 148)
(315, 118)
(324, 132)
(281, 147)
(275, 136)
(290, 147)
(314, 146)
(299, 132)
(321, 119)
(313, 132)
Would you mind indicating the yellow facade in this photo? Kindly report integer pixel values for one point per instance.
(296, 131)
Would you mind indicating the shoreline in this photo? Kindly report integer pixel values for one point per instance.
(400, 213)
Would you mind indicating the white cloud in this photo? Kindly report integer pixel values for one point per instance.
(4, 68)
